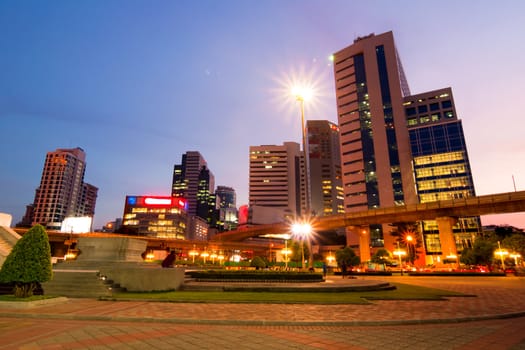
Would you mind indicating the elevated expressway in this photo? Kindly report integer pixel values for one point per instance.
(444, 212)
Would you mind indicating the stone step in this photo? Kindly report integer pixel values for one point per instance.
(77, 284)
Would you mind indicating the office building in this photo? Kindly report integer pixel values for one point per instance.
(155, 216)
(275, 178)
(399, 148)
(62, 192)
(227, 206)
(206, 203)
(186, 179)
(326, 189)
(376, 161)
(441, 165)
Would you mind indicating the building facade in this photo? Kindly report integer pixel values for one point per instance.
(399, 149)
(441, 165)
(376, 160)
(62, 192)
(326, 189)
(206, 203)
(186, 179)
(155, 216)
(275, 177)
(227, 206)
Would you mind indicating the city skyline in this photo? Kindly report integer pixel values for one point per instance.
(136, 85)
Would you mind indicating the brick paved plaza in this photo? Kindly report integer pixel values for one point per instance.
(492, 319)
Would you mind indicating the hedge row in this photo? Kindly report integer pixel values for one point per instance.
(456, 273)
(255, 275)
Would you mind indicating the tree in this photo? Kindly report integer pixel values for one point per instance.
(515, 243)
(297, 253)
(381, 256)
(481, 253)
(29, 262)
(348, 256)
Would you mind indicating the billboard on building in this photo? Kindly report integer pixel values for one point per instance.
(80, 224)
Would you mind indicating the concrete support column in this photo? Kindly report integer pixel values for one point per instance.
(446, 235)
(364, 243)
(359, 235)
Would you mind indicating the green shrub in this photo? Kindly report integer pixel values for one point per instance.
(29, 263)
(258, 263)
(225, 275)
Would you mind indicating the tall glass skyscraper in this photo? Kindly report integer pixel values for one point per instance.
(186, 179)
(227, 204)
(441, 163)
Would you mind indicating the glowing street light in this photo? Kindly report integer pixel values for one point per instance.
(204, 255)
(286, 252)
(302, 230)
(501, 253)
(193, 253)
(399, 252)
(330, 258)
(515, 256)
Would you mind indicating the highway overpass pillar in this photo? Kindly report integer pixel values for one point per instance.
(360, 235)
(446, 235)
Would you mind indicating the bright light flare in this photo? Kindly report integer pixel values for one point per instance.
(301, 229)
(314, 83)
(303, 93)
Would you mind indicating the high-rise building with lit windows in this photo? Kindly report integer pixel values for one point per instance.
(227, 206)
(186, 179)
(326, 189)
(397, 148)
(376, 160)
(275, 177)
(206, 203)
(441, 163)
(62, 192)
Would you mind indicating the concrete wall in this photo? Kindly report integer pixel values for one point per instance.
(114, 249)
(145, 279)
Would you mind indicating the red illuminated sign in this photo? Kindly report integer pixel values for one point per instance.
(158, 200)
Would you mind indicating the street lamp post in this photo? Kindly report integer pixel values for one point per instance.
(399, 253)
(501, 253)
(303, 230)
(302, 94)
(286, 252)
(515, 256)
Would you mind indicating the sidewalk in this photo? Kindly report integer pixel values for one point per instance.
(495, 297)
(495, 316)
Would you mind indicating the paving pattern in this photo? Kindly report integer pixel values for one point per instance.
(492, 319)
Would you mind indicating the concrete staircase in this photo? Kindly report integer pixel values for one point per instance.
(77, 279)
(77, 284)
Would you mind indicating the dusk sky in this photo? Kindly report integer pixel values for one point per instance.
(138, 83)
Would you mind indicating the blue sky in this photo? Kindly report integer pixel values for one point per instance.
(138, 83)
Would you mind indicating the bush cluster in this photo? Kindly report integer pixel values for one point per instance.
(256, 275)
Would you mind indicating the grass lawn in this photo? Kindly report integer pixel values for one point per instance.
(10, 297)
(402, 292)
